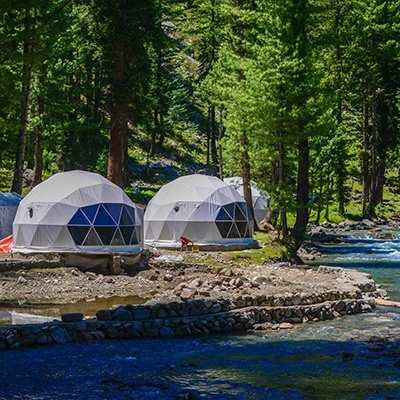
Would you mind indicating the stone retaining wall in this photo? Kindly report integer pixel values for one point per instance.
(178, 319)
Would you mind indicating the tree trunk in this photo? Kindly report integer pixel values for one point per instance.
(330, 186)
(246, 179)
(281, 179)
(374, 150)
(26, 92)
(153, 137)
(116, 172)
(39, 139)
(366, 185)
(221, 133)
(319, 202)
(300, 225)
(213, 139)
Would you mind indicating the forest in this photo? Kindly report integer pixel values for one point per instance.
(300, 96)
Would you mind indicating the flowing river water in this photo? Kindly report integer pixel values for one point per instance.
(325, 360)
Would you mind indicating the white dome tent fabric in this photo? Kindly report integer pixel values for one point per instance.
(260, 200)
(8, 208)
(201, 208)
(77, 212)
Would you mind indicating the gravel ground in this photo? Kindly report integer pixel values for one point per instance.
(164, 278)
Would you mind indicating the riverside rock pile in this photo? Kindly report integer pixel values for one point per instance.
(177, 318)
(329, 232)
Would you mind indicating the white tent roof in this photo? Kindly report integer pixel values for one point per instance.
(77, 211)
(201, 208)
(260, 200)
(8, 208)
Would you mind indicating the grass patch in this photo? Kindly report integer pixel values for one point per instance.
(270, 250)
(143, 195)
(6, 178)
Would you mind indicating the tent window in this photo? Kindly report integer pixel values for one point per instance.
(230, 208)
(239, 216)
(103, 218)
(224, 228)
(233, 233)
(92, 239)
(241, 226)
(131, 212)
(90, 212)
(245, 210)
(134, 238)
(78, 233)
(117, 239)
(109, 224)
(105, 233)
(127, 217)
(126, 232)
(249, 233)
(79, 219)
(223, 215)
(114, 210)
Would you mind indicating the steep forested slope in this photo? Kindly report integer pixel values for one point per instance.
(298, 95)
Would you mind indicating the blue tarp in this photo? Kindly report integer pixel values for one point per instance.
(10, 199)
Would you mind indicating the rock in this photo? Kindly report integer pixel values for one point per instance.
(188, 294)
(104, 315)
(383, 235)
(27, 340)
(11, 339)
(161, 313)
(85, 336)
(216, 308)
(325, 269)
(72, 317)
(285, 325)
(141, 313)
(195, 284)
(167, 332)
(41, 338)
(121, 314)
(61, 336)
(138, 326)
(98, 335)
(368, 223)
(208, 303)
(181, 286)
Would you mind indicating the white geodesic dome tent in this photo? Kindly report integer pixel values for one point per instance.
(260, 200)
(8, 208)
(201, 208)
(77, 212)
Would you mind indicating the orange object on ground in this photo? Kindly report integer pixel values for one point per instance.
(6, 244)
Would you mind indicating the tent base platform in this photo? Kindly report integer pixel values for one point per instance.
(251, 244)
(105, 263)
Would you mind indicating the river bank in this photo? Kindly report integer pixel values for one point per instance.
(171, 278)
(184, 299)
(171, 290)
(353, 356)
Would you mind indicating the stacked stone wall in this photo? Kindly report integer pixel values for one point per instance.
(186, 318)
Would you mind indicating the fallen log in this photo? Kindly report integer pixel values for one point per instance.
(387, 303)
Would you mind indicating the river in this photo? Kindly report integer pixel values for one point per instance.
(325, 360)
